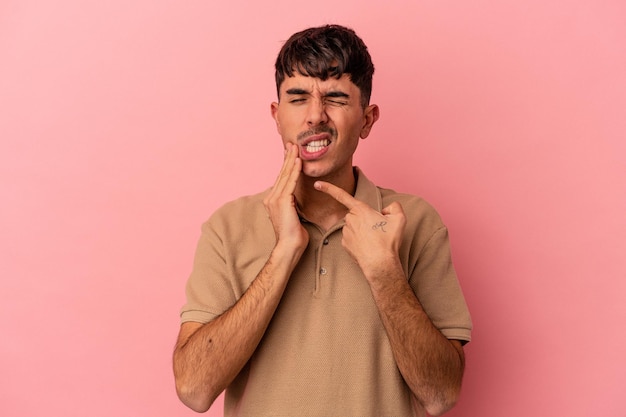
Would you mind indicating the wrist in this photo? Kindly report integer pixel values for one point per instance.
(382, 268)
(288, 253)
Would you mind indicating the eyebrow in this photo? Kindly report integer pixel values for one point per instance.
(337, 94)
(296, 91)
(332, 94)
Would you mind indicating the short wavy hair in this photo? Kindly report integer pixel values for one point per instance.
(327, 51)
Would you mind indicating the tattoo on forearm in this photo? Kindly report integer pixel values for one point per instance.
(380, 225)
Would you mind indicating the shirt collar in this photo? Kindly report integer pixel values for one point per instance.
(366, 191)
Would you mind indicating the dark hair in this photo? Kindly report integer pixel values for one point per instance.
(327, 51)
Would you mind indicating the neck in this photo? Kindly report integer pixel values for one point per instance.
(319, 207)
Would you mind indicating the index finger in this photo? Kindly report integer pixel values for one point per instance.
(337, 193)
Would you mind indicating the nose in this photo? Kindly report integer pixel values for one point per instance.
(316, 113)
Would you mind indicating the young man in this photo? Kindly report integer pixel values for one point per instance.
(324, 295)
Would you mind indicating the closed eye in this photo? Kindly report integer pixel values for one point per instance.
(337, 102)
(337, 98)
(297, 95)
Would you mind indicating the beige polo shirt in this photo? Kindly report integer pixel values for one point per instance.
(325, 352)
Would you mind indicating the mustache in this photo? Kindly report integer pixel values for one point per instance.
(316, 131)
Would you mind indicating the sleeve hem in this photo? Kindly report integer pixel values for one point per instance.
(464, 335)
(196, 316)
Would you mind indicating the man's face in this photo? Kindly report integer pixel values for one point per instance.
(325, 120)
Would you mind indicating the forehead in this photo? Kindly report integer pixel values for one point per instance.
(313, 84)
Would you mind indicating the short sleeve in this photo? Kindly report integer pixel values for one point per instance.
(208, 291)
(233, 247)
(436, 285)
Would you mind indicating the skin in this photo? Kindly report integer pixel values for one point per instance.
(209, 356)
(431, 365)
(308, 105)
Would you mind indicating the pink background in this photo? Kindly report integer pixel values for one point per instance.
(123, 125)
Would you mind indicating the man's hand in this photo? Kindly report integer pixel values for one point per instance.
(431, 365)
(280, 203)
(373, 239)
(208, 357)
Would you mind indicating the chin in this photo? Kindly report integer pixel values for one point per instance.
(314, 172)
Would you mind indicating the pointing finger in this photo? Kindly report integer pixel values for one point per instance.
(337, 193)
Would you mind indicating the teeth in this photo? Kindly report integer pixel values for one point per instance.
(317, 145)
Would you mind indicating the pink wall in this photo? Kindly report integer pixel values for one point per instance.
(123, 125)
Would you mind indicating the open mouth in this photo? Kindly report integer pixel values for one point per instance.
(316, 145)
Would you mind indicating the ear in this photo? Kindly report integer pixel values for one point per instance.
(274, 111)
(370, 116)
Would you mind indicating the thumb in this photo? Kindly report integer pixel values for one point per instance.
(392, 209)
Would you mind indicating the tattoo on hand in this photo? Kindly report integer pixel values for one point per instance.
(380, 225)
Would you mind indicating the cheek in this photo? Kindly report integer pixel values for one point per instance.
(285, 121)
(290, 125)
(353, 129)
(349, 120)
(286, 131)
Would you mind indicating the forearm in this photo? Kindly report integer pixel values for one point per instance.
(208, 357)
(431, 365)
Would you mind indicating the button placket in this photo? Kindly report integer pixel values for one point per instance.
(323, 273)
(321, 269)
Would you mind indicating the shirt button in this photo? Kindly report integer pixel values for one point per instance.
(325, 241)
(323, 271)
